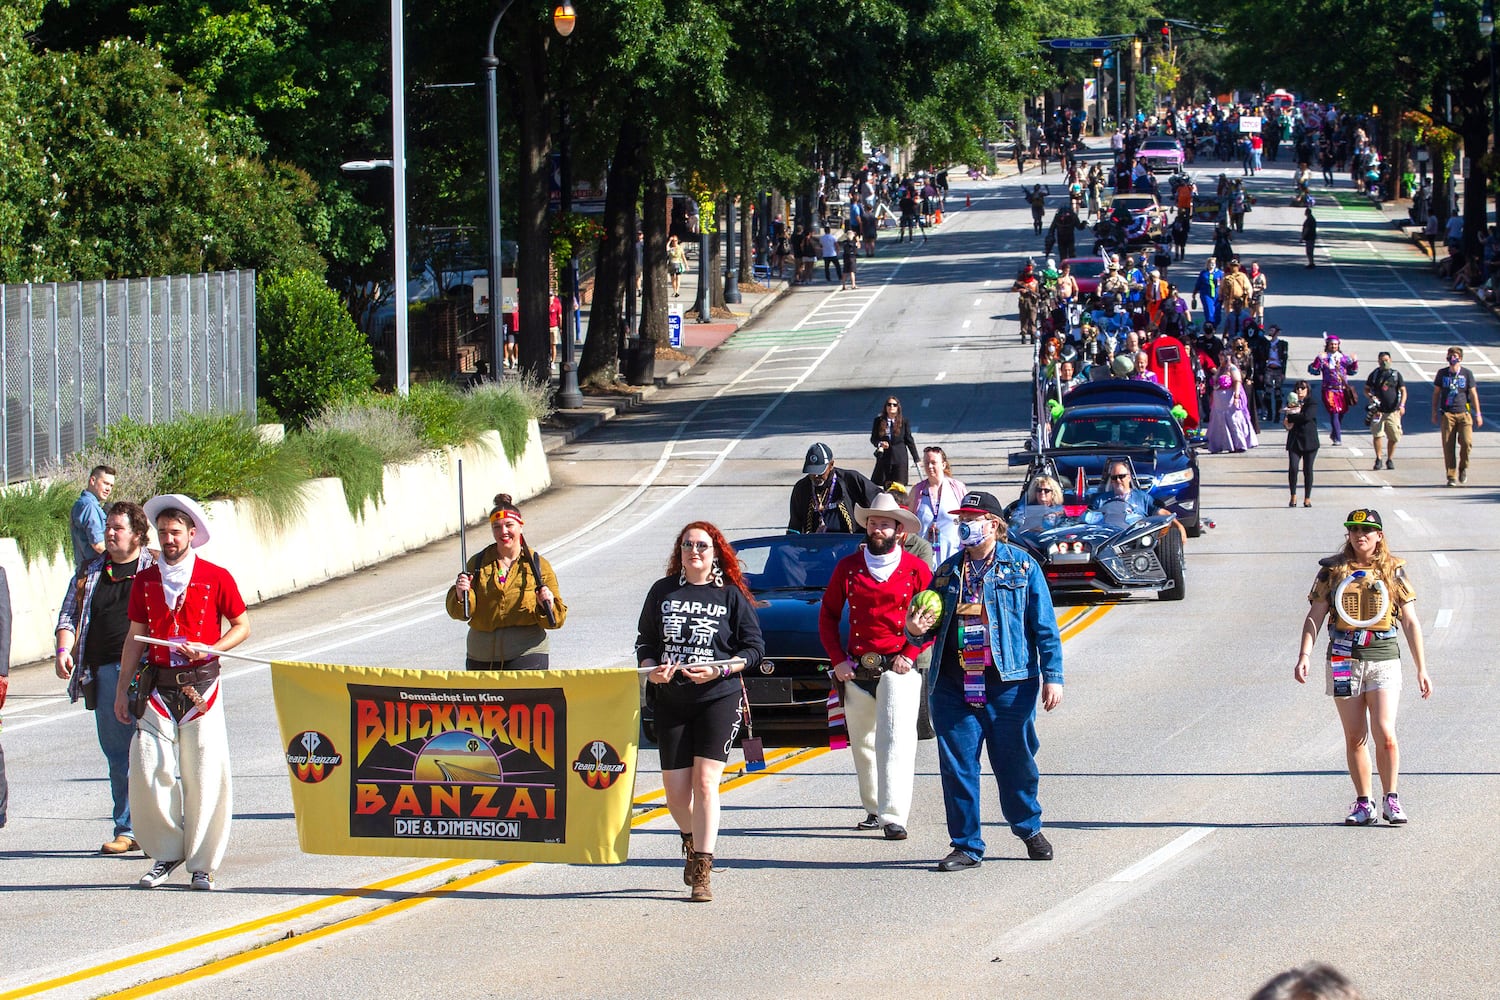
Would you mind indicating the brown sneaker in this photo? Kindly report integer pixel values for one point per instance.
(699, 867)
(120, 845)
(687, 856)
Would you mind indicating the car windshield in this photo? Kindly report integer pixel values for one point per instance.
(1169, 145)
(793, 562)
(1105, 430)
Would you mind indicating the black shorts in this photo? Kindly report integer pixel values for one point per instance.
(697, 729)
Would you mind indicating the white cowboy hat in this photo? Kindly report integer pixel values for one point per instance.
(886, 505)
(186, 504)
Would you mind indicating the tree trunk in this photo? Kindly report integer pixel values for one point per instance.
(654, 287)
(534, 127)
(612, 277)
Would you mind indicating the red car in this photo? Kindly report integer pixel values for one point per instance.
(1088, 271)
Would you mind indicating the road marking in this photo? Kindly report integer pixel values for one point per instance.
(1092, 903)
(968, 323)
(925, 401)
(978, 303)
(1157, 858)
(1403, 515)
(940, 376)
(1443, 619)
(1364, 478)
(1077, 620)
(1355, 451)
(986, 283)
(1440, 558)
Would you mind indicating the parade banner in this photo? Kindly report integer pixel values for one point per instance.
(509, 766)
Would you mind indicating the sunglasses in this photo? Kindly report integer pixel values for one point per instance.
(1122, 475)
(1363, 529)
(697, 546)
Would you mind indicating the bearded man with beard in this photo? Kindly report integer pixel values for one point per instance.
(880, 690)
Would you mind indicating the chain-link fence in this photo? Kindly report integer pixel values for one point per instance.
(78, 356)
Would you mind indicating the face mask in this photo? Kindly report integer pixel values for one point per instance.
(971, 533)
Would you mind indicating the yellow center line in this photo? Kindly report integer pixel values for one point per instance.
(306, 909)
(782, 763)
(1071, 623)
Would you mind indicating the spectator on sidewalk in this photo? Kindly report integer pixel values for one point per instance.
(830, 249)
(86, 522)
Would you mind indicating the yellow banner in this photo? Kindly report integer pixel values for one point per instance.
(510, 766)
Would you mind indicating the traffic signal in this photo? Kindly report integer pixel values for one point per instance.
(1166, 33)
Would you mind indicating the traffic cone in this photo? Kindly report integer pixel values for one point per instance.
(937, 220)
(968, 202)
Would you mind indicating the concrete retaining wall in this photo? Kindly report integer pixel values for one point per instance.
(420, 506)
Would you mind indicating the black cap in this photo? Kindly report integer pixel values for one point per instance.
(1365, 517)
(979, 502)
(818, 457)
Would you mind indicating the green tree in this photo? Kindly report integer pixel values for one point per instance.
(310, 353)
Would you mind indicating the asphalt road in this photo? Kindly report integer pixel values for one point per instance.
(1194, 792)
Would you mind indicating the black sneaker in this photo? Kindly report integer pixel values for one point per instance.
(1378, 465)
(870, 822)
(958, 861)
(895, 831)
(159, 873)
(1389, 464)
(1038, 848)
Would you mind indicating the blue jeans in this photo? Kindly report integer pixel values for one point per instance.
(1006, 725)
(114, 740)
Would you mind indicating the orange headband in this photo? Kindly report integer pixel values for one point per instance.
(506, 515)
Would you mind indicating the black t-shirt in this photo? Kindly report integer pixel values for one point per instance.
(108, 622)
(1384, 386)
(696, 623)
(1454, 389)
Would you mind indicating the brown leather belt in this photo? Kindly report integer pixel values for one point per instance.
(168, 678)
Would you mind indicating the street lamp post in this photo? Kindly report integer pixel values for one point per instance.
(563, 19)
(1098, 96)
(568, 395)
(1487, 29)
(731, 263)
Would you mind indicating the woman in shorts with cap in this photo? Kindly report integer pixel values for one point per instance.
(508, 595)
(696, 621)
(1366, 591)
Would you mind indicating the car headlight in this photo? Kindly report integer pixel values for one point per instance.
(1176, 478)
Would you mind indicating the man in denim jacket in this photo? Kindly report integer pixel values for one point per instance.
(997, 646)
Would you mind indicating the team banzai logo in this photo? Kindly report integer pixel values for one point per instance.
(598, 764)
(312, 757)
(458, 764)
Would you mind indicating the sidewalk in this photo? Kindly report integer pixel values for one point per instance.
(698, 339)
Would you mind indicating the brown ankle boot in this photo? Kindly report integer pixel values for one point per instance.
(699, 867)
(687, 855)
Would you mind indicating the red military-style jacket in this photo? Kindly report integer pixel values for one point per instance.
(211, 597)
(877, 611)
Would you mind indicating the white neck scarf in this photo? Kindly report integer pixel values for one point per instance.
(174, 578)
(881, 567)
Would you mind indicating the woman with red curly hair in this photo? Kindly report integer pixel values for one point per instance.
(698, 615)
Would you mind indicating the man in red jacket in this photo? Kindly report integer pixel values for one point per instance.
(180, 802)
(881, 690)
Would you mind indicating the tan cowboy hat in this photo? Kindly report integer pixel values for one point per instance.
(886, 505)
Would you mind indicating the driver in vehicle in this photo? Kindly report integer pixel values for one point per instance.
(1042, 503)
(1121, 503)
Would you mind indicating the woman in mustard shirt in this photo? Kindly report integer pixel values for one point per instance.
(511, 597)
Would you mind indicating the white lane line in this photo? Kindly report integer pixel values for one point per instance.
(1093, 903)
(1355, 452)
(953, 349)
(986, 283)
(1156, 859)
(968, 323)
(1403, 515)
(1364, 478)
(978, 303)
(1440, 559)
(1444, 618)
(925, 401)
(940, 376)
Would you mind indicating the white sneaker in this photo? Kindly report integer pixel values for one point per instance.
(203, 881)
(158, 874)
(1391, 810)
